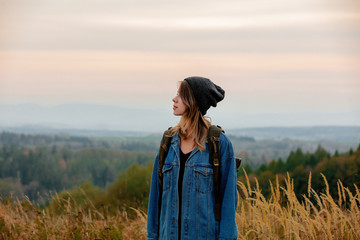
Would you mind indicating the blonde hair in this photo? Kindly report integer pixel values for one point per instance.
(192, 122)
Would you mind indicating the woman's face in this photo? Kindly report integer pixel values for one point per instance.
(179, 107)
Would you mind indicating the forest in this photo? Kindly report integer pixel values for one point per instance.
(60, 186)
(301, 166)
(117, 173)
(34, 172)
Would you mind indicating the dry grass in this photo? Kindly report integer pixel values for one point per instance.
(283, 216)
(22, 220)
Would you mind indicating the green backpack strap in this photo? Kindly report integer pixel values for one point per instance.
(214, 159)
(164, 148)
(163, 151)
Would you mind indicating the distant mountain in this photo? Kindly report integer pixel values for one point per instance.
(317, 133)
(330, 133)
(83, 116)
(84, 119)
(38, 129)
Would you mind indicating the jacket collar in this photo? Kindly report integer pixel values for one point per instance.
(175, 141)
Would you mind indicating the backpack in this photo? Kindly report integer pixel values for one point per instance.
(214, 159)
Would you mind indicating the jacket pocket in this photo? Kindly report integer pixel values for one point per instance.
(204, 179)
(167, 176)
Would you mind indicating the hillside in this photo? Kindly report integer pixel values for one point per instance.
(86, 212)
(263, 146)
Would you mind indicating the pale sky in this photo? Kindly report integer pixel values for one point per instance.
(278, 56)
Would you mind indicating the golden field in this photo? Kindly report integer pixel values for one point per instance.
(282, 216)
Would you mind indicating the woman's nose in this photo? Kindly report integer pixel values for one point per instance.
(174, 99)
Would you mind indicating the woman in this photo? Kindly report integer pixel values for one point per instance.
(184, 207)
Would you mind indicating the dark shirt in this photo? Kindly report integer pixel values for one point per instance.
(183, 158)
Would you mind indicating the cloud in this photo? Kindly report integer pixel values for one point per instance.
(206, 26)
(271, 56)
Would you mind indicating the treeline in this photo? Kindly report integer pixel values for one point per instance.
(300, 165)
(131, 189)
(36, 171)
(138, 144)
(257, 151)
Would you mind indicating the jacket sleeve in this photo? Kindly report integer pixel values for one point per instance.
(228, 191)
(153, 206)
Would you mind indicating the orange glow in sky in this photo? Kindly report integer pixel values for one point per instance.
(284, 56)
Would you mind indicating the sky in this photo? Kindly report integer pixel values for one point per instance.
(280, 57)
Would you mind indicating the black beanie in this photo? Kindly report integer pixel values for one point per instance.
(206, 93)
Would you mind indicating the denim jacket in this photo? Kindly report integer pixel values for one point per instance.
(197, 217)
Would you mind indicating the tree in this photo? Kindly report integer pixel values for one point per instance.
(131, 189)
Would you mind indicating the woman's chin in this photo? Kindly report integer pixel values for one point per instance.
(176, 113)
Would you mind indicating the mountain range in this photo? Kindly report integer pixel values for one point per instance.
(109, 120)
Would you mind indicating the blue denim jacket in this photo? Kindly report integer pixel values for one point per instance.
(198, 217)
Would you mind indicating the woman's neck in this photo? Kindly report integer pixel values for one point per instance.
(187, 144)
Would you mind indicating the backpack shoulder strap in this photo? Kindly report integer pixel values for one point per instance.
(214, 159)
(164, 148)
(163, 151)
